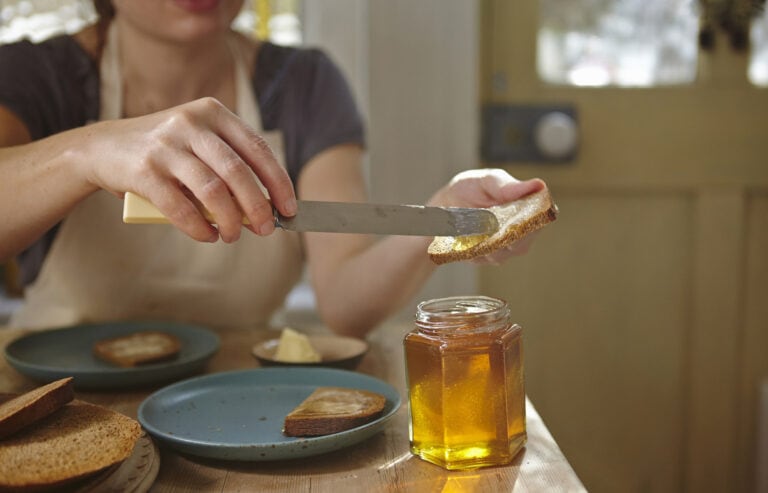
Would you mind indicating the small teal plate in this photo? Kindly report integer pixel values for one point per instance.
(239, 415)
(68, 352)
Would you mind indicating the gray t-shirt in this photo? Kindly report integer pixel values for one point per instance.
(54, 86)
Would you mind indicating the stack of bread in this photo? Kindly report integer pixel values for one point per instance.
(49, 441)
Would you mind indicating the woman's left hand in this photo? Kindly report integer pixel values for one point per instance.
(486, 188)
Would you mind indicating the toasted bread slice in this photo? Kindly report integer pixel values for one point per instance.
(138, 348)
(76, 441)
(333, 409)
(33, 406)
(516, 219)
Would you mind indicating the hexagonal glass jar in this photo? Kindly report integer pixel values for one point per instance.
(464, 370)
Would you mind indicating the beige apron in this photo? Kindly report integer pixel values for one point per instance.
(99, 269)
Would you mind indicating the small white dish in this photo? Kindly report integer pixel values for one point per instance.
(335, 352)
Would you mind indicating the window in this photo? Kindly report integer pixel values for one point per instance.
(41, 19)
(628, 43)
(276, 20)
(758, 63)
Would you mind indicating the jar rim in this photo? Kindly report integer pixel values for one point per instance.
(470, 313)
(462, 305)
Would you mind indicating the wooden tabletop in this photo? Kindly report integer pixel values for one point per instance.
(382, 463)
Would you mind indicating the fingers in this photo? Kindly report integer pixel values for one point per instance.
(514, 190)
(514, 249)
(259, 157)
(179, 209)
(204, 148)
(503, 187)
(484, 188)
(227, 187)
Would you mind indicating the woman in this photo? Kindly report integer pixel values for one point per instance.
(163, 99)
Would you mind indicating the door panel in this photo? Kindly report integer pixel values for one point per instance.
(754, 349)
(644, 303)
(608, 370)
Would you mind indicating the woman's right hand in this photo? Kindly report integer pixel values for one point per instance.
(200, 149)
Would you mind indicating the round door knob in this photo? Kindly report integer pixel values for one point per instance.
(556, 135)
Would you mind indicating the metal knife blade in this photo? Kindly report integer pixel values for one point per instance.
(349, 217)
(388, 219)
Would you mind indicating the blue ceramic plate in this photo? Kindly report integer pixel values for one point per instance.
(239, 415)
(58, 353)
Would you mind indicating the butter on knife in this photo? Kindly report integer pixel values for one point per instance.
(138, 210)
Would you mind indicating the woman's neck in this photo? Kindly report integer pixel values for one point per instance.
(158, 74)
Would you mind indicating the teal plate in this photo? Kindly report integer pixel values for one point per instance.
(68, 352)
(239, 415)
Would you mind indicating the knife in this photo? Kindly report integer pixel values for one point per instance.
(351, 217)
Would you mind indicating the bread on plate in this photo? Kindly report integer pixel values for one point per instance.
(138, 348)
(333, 409)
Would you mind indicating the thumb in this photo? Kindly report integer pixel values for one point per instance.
(517, 189)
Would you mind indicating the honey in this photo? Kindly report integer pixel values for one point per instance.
(465, 382)
(461, 243)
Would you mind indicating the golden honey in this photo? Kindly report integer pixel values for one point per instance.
(465, 383)
(461, 243)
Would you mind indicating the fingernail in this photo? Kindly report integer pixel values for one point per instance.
(213, 238)
(291, 208)
(266, 228)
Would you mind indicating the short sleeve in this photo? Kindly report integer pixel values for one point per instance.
(304, 94)
(331, 116)
(50, 86)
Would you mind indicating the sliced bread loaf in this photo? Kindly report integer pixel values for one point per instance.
(333, 409)
(76, 441)
(516, 219)
(33, 406)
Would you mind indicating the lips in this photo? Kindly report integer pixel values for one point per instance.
(198, 5)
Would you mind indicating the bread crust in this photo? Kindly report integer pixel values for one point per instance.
(26, 409)
(76, 441)
(516, 220)
(333, 409)
(138, 348)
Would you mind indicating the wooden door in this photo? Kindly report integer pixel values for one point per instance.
(645, 306)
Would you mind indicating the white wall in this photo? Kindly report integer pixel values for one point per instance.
(413, 68)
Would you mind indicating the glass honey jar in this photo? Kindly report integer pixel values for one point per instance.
(464, 370)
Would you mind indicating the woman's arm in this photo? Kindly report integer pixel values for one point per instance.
(198, 148)
(359, 280)
(37, 184)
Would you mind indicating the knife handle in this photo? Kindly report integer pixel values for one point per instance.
(138, 210)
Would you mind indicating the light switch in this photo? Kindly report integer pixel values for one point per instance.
(529, 133)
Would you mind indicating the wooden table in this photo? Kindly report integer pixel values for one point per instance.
(382, 463)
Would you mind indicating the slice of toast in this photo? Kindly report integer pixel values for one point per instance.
(74, 442)
(34, 405)
(138, 348)
(331, 410)
(516, 219)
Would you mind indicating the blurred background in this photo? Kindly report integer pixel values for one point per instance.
(645, 306)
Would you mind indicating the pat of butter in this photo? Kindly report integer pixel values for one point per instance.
(295, 348)
(138, 210)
